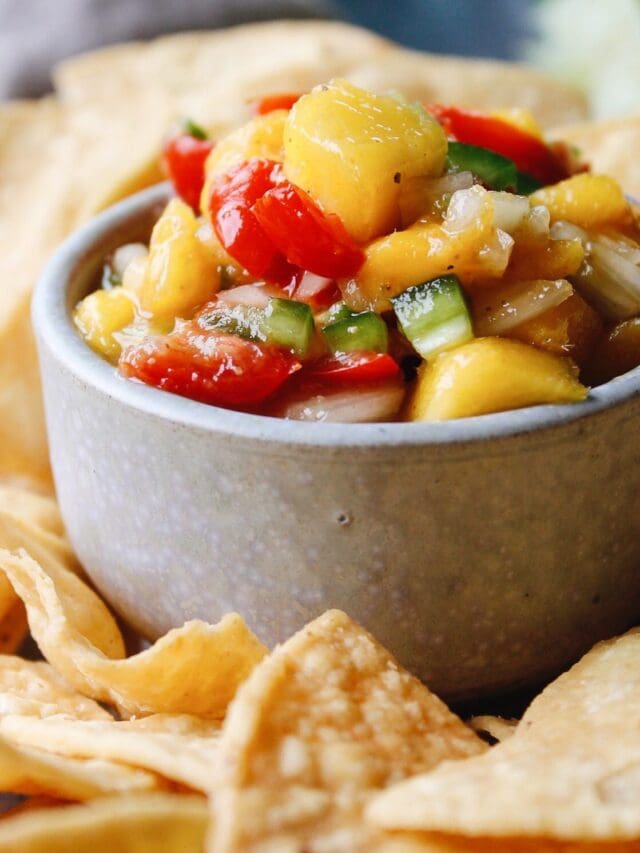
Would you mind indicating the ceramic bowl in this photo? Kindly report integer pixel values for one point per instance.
(487, 552)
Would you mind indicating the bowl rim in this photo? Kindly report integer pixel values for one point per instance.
(54, 328)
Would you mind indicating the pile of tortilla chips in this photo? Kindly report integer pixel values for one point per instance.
(206, 740)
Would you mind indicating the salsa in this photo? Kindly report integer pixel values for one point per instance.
(348, 256)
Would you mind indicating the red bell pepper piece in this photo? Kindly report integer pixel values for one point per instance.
(351, 367)
(306, 236)
(230, 203)
(183, 159)
(220, 369)
(280, 101)
(529, 153)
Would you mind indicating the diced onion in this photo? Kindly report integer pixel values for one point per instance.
(501, 310)
(629, 249)
(362, 405)
(311, 284)
(252, 295)
(464, 209)
(123, 256)
(609, 281)
(568, 231)
(509, 210)
(537, 221)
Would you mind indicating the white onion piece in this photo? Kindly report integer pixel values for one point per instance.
(123, 256)
(311, 284)
(362, 405)
(494, 256)
(629, 249)
(609, 282)
(501, 310)
(464, 208)
(537, 221)
(251, 295)
(568, 231)
(449, 184)
(509, 210)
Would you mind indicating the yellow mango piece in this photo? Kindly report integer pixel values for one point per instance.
(102, 313)
(590, 201)
(427, 250)
(181, 273)
(260, 137)
(521, 118)
(351, 150)
(540, 257)
(571, 328)
(491, 375)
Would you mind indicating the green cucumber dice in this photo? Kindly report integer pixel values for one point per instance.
(366, 332)
(289, 324)
(434, 315)
(284, 323)
(337, 311)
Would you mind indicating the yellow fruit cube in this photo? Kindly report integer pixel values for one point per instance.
(181, 273)
(351, 150)
(260, 137)
(590, 201)
(430, 249)
(102, 313)
(491, 375)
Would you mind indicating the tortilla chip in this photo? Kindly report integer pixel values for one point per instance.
(571, 770)
(35, 689)
(199, 74)
(611, 147)
(322, 723)
(31, 771)
(181, 748)
(140, 823)
(195, 669)
(495, 729)
(418, 843)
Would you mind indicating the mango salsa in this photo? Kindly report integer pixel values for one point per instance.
(351, 150)
(491, 375)
(100, 315)
(180, 274)
(589, 201)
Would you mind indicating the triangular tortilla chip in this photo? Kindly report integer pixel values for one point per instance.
(570, 771)
(324, 722)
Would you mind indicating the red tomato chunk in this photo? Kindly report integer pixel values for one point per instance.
(220, 369)
(183, 158)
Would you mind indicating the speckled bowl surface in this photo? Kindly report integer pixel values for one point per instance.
(487, 552)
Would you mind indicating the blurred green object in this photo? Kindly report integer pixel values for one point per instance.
(593, 44)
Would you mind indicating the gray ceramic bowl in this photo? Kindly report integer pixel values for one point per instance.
(486, 552)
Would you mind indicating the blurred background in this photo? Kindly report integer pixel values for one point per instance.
(594, 44)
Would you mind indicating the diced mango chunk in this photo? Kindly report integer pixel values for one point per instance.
(351, 150)
(491, 375)
(571, 328)
(260, 137)
(469, 249)
(590, 201)
(616, 353)
(181, 272)
(100, 315)
(541, 257)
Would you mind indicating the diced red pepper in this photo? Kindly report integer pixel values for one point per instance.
(529, 153)
(183, 159)
(306, 236)
(352, 367)
(280, 101)
(230, 203)
(220, 369)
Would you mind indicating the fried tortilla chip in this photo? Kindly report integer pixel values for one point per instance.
(195, 669)
(199, 74)
(570, 771)
(321, 724)
(31, 771)
(137, 823)
(35, 689)
(611, 147)
(181, 748)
